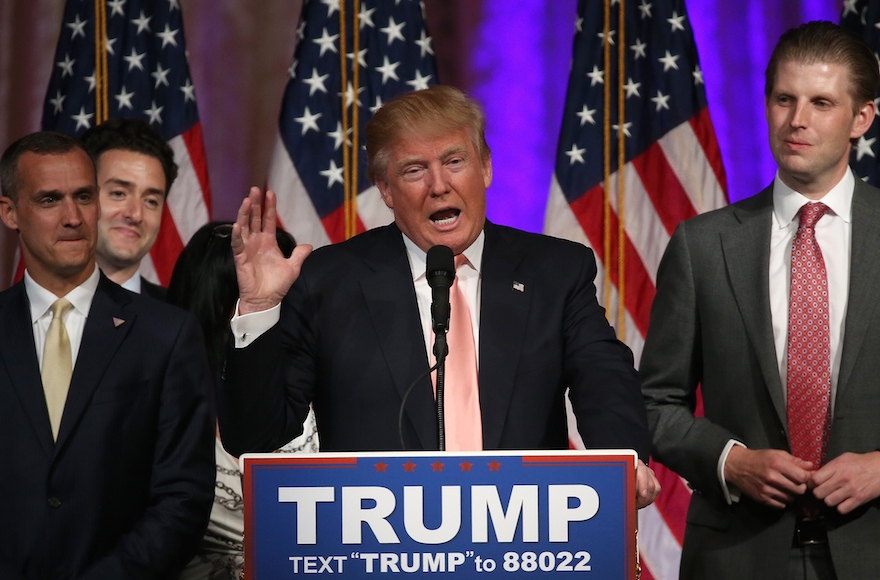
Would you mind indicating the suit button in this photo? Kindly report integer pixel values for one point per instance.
(54, 502)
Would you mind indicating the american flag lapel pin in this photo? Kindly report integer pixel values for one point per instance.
(519, 286)
(117, 322)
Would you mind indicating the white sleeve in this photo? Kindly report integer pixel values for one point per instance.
(246, 328)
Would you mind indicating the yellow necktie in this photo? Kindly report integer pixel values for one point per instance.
(57, 365)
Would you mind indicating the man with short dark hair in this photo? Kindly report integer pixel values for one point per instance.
(770, 305)
(135, 171)
(106, 417)
(354, 330)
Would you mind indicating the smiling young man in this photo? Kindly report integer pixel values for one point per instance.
(135, 171)
(105, 398)
(770, 306)
(353, 332)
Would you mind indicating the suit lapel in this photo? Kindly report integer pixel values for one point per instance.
(108, 324)
(746, 251)
(864, 277)
(19, 357)
(503, 317)
(393, 308)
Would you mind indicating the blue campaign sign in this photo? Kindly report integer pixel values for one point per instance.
(561, 514)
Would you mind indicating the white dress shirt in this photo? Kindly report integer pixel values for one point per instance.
(74, 320)
(133, 284)
(834, 236)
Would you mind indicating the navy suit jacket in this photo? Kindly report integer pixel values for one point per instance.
(153, 290)
(350, 340)
(126, 490)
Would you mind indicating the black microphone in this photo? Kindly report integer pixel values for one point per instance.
(440, 273)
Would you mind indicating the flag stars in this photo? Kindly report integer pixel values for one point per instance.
(337, 136)
(173, 5)
(377, 106)
(393, 30)
(308, 121)
(661, 100)
(134, 60)
(160, 75)
(698, 75)
(66, 65)
(645, 9)
(639, 49)
(58, 102)
(575, 155)
(327, 42)
(168, 36)
(626, 127)
(142, 23)
(82, 119)
(865, 147)
(78, 27)
(669, 61)
(361, 57)
(154, 113)
(424, 43)
(632, 88)
(92, 79)
(676, 21)
(365, 18)
(350, 96)
(301, 30)
(596, 76)
(316, 82)
(292, 70)
(579, 24)
(116, 7)
(123, 99)
(332, 6)
(189, 91)
(334, 175)
(419, 83)
(388, 70)
(108, 46)
(601, 36)
(849, 6)
(586, 115)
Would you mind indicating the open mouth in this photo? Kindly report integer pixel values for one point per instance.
(445, 217)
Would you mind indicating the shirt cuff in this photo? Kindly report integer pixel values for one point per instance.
(246, 328)
(731, 493)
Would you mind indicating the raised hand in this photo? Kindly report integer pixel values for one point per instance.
(264, 274)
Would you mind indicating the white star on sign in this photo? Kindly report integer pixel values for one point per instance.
(864, 147)
(82, 120)
(66, 66)
(388, 70)
(308, 121)
(419, 83)
(575, 154)
(143, 23)
(155, 114)
(669, 61)
(123, 99)
(327, 42)
(661, 100)
(333, 174)
(676, 21)
(393, 30)
(78, 26)
(316, 82)
(586, 116)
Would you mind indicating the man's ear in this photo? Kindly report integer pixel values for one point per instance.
(7, 212)
(864, 119)
(385, 192)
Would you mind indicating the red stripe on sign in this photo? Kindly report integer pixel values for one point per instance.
(640, 290)
(195, 144)
(701, 124)
(167, 247)
(670, 200)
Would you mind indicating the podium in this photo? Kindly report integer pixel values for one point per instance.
(415, 515)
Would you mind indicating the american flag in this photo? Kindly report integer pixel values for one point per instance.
(863, 18)
(127, 58)
(671, 170)
(318, 168)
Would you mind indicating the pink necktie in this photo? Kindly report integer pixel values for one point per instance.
(809, 344)
(464, 426)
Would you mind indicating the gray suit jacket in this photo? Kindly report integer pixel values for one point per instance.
(711, 326)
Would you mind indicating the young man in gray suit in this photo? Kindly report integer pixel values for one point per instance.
(770, 305)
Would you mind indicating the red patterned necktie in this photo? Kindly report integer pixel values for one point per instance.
(461, 397)
(809, 343)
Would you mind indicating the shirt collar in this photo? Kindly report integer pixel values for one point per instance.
(41, 299)
(133, 284)
(788, 202)
(417, 258)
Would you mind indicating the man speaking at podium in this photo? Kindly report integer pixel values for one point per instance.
(350, 329)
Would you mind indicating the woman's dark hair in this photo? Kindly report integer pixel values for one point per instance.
(204, 283)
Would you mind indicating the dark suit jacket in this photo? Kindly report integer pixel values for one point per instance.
(126, 490)
(711, 324)
(350, 340)
(153, 290)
